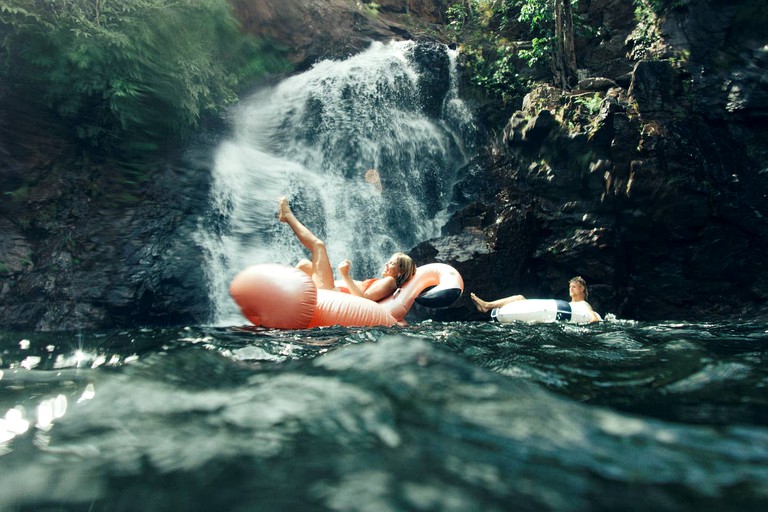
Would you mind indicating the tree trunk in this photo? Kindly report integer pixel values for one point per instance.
(564, 63)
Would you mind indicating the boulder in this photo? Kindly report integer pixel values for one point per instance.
(595, 84)
(538, 127)
(529, 131)
(655, 86)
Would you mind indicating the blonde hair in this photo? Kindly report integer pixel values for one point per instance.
(406, 268)
(580, 281)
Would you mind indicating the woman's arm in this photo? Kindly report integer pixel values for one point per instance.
(344, 267)
(379, 289)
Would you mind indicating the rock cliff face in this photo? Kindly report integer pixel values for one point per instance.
(72, 256)
(651, 184)
(649, 180)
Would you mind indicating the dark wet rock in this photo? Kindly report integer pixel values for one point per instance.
(644, 222)
(531, 131)
(459, 248)
(537, 129)
(82, 263)
(513, 131)
(596, 84)
(747, 90)
(432, 61)
(723, 47)
(604, 52)
(655, 86)
(15, 249)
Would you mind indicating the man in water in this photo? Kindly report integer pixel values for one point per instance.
(577, 289)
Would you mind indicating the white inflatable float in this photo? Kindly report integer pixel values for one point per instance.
(543, 310)
(283, 297)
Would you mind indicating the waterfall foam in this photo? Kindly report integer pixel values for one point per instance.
(316, 137)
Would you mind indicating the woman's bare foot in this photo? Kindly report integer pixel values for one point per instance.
(480, 304)
(285, 209)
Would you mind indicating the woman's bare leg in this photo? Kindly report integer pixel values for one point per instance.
(305, 266)
(320, 269)
(485, 306)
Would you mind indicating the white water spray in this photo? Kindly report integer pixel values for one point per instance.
(349, 143)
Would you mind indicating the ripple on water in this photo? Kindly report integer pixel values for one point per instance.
(720, 373)
(449, 416)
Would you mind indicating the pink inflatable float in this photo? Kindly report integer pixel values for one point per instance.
(283, 297)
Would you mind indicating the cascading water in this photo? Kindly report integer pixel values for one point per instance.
(366, 149)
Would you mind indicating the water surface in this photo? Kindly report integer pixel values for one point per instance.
(435, 416)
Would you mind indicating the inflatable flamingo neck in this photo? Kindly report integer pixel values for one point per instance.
(435, 285)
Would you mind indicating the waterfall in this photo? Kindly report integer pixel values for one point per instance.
(367, 150)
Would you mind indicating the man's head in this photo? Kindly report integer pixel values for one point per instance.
(577, 288)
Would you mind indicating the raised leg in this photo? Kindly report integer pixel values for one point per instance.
(319, 267)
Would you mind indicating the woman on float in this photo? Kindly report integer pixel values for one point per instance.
(397, 271)
(577, 289)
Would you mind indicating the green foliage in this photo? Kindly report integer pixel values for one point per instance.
(540, 17)
(490, 61)
(491, 31)
(459, 18)
(647, 38)
(494, 70)
(372, 8)
(591, 103)
(646, 34)
(138, 70)
(661, 6)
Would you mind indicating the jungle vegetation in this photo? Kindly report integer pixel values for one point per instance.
(126, 76)
(506, 44)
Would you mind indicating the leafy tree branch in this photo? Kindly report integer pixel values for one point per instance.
(148, 68)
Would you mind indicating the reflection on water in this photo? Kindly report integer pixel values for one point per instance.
(460, 416)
